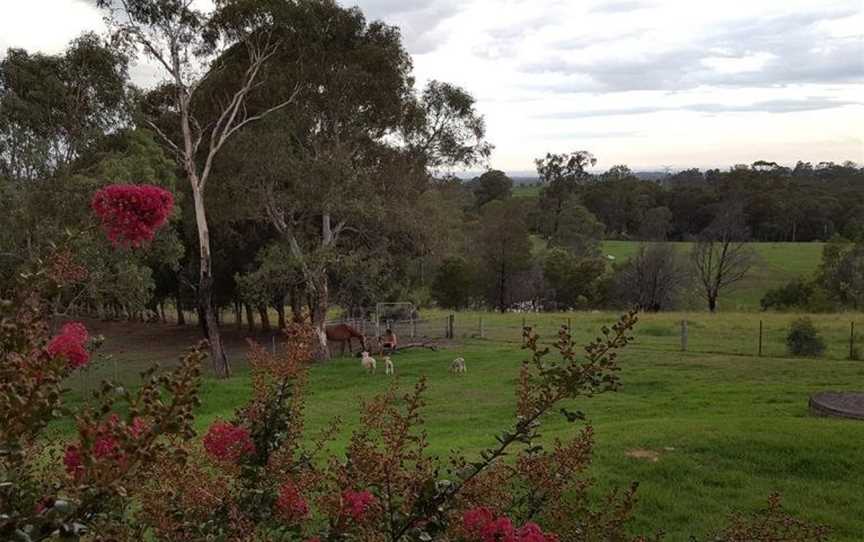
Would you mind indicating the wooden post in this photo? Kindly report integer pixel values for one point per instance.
(569, 327)
(450, 322)
(522, 331)
(851, 341)
(684, 334)
(413, 326)
(760, 338)
(481, 327)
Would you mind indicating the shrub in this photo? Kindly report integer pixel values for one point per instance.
(803, 339)
(795, 294)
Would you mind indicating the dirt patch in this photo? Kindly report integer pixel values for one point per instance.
(645, 455)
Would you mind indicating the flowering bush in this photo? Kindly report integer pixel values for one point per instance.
(130, 214)
(37, 498)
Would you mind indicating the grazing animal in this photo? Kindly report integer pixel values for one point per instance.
(388, 366)
(368, 363)
(458, 366)
(345, 334)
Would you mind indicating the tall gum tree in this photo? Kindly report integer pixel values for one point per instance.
(355, 148)
(189, 46)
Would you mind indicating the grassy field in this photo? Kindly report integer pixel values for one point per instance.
(777, 264)
(724, 430)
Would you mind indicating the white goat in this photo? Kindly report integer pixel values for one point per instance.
(458, 366)
(389, 369)
(368, 363)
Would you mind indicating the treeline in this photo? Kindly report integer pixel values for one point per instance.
(803, 203)
(323, 186)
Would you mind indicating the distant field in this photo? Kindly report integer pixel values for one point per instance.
(778, 264)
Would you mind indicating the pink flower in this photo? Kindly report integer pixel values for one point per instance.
(70, 344)
(500, 530)
(227, 442)
(130, 213)
(356, 503)
(138, 427)
(290, 504)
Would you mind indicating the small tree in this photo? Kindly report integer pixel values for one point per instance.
(493, 184)
(803, 339)
(504, 249)
(454, 284)
(722, 257)
(652, 279)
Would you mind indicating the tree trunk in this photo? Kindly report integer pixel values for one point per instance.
(265, 318)
(250, 318)
(296, 306)
(205, 283)
(712, 303)
(280, 310)
(238, 315)
(319, 304)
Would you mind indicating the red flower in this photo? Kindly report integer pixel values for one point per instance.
(481, 525)
(227, 442)
(72, 461)
(356, 503)
(130, 213)
(476, 519)
(70, 343)
(290, 504)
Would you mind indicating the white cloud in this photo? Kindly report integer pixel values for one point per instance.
(648, 83)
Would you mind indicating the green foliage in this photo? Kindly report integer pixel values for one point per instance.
(842, 272)
(503, 248)
(492, 185)
(578, 230)
(454, 284)
(803, 339)
(572, 279)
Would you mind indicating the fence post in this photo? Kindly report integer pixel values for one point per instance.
(451, 321)
(481, 327)
(522, 331)
(851, 341)
(760, 338)
(413, 326)
(684, 335)
(569, 327)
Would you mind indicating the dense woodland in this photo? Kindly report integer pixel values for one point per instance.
(327, 185)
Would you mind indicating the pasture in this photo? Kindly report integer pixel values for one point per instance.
(716, 429)
(777, 264)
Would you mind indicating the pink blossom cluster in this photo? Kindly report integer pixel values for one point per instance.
(290, 504)
(71, 343)
(227, 442)
(131, 213)
(356, 503)
(482, 525)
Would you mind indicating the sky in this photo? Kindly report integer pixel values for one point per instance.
(652, 84)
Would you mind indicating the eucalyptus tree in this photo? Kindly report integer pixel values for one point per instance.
(338, 168)
(53, 108)
(193, 47)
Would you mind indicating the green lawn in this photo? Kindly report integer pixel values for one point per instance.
(728, 428)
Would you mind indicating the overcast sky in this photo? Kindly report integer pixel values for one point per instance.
(645, 83)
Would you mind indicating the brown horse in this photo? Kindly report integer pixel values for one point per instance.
(343, 333)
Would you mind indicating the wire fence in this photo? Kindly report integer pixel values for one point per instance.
(699, 333)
